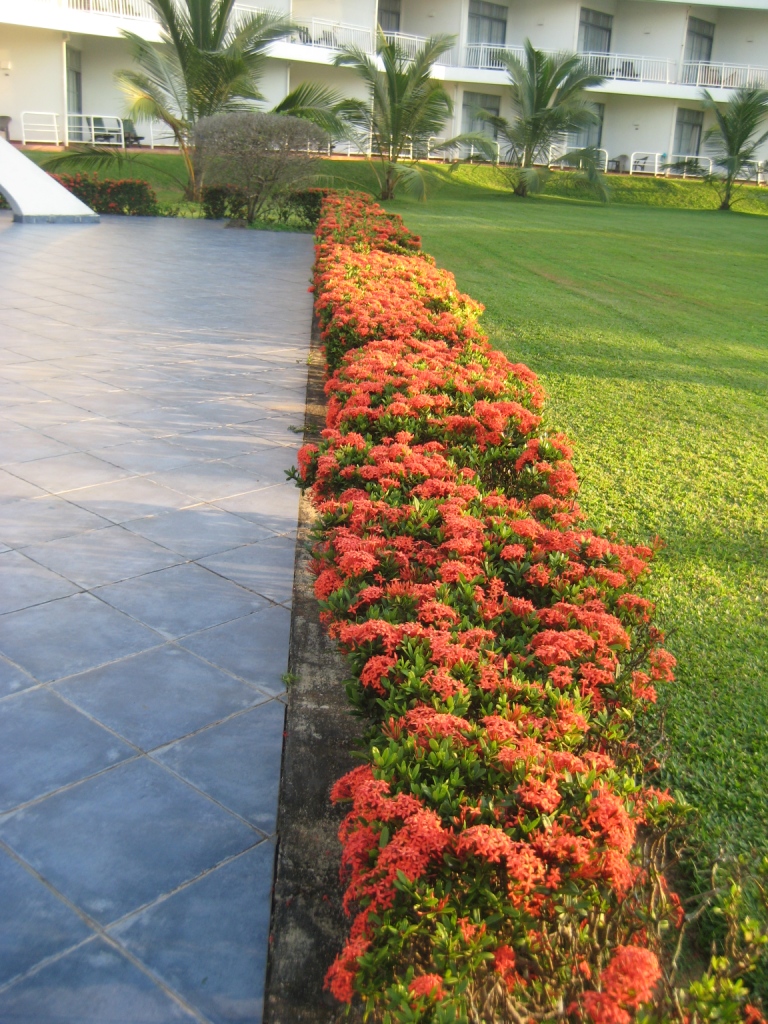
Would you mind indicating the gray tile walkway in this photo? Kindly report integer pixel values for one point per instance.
(150, 372)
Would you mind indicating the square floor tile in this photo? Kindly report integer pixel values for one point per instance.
(148, 455)
(265, 567)
(38, 520)
(101, 557)
(34, 924)
(208, 942)
(268, 467)
(94, 984)
(23, 445)
(13, 488)
(123, 838)
(237, 763)
(13, 679)
(198, 531)
(254, 648)
(276, 508)
(158, 696)
(181, 600)
(206, 481)
(46, 744)
(80, 632)
(25, 583)
(123, 500)
(68, 472)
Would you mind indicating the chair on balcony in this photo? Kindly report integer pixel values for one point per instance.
(130, 137)
(641, 163)
(5, 129)
(103, 134)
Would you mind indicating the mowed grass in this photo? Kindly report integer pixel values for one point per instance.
(649, 329)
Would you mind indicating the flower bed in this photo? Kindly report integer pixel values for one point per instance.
(503, 853)
(127, 196)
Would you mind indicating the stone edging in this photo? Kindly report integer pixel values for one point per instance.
(308, 926)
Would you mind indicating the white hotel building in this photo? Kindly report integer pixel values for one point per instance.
(57, 59)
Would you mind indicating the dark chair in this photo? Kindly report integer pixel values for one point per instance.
(5, 130)
(130, 137)
(639, 164)
(103, 134)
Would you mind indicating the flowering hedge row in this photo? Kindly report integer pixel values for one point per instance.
(503, 856)
(127, 196)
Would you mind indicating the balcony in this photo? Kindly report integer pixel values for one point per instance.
(410, 45)
(724, 76)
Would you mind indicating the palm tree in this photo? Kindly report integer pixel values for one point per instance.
(547, 92)
(406, 108)
(733, 138)
(211, 61)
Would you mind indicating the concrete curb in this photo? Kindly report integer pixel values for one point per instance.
(308, 924)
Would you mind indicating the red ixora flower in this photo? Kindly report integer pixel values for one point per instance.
(428, 986)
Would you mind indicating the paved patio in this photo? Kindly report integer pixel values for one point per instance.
(152, 379)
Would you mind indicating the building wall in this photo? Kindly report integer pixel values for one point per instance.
(638, 124)
(35, 80)
(432, 17)
(349, 12)
(650, 30)
(549, 24)
(741, 37)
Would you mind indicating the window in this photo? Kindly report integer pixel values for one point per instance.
(389, 15)
(698, 40)
(688, 132)
(592, 135)
(473, 101)
(487, 23)
(595, 31)
(74, 81)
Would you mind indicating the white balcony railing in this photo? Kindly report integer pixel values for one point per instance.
(410, 45)
(489, 57)
(96, 129)
(116, 8)
(39, 126)
(724, 76)
(628, 67)
(332, 35)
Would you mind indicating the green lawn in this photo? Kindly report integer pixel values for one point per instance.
(649, 329)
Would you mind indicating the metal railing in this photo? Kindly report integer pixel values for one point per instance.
(628, 67)
(40, 126)
(724, 76)
(689, 165)
(117, 8)
(332, 35)
(558, 156)
(410, 45)
(643, 162)
(96, 129)
(488, 56)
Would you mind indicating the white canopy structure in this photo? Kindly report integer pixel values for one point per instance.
(36, 197)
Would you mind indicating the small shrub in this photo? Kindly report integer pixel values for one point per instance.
(304, 204)
(262, 155)
(221, 201)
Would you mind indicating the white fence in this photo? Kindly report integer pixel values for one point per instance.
(724, 76)
(690, 165)
(117, 8)
(96, 129)
(410, 46)
(642, 162)
(629, 67)
(41, 126)
(332, 35)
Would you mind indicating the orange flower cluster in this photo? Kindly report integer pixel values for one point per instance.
(500, 650)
